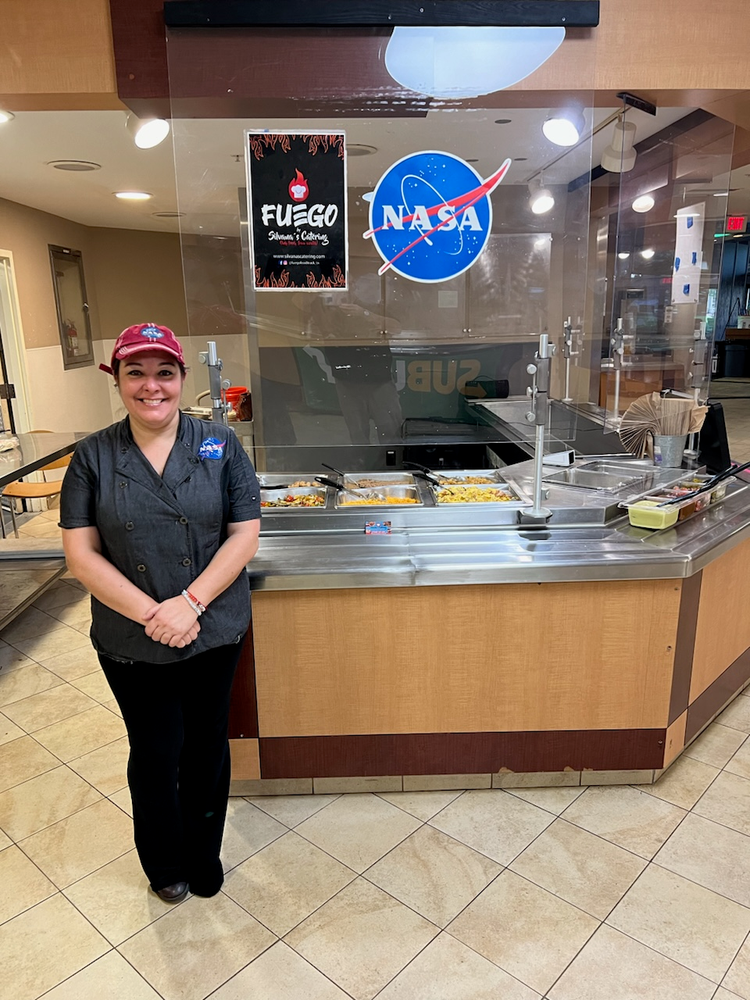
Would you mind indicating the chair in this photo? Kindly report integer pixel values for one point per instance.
(20, 490)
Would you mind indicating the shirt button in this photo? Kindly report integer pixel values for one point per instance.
(141, 568)
(194, 461)
(183, 520)
(129, 525)
(187, 562)
(122, 485)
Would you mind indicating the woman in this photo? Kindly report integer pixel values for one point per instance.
(160, 515)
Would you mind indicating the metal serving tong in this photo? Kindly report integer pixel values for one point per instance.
(331, 468)
(369, 494)
(733, 470)
(422, 472)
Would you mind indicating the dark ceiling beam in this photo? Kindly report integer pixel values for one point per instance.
(380, 13)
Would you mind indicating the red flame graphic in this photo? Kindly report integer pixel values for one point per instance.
(298, 187)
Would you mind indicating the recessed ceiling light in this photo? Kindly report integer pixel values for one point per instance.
(721, 194)
(623, 255)
(360, 149)
(475, 160)
(643, 203)
(133, 195)
(647, 254)
(168, 215)
(503, 121)
(6, 116)
(77, 166)
(520, 159)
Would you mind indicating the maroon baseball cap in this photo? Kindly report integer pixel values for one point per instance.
(145, 337)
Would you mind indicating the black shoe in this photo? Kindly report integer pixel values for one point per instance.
(173, 893)
(208, 881)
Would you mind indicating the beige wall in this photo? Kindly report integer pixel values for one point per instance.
(131, 277)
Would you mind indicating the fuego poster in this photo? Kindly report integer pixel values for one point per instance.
(296, 183)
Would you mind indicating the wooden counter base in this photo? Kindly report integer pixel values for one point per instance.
(486, 686)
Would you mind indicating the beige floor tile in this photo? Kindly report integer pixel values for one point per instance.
(113, 707)
(81, 734)
(23, 759)
(23, 884)
(616, 966)
(736, 715)
(279, 974)
(77, 663)
(77, 616)
(247, 830)
(739, 763)
(9, 730)
(95, 686)
(423, 805)
(583, 869)
(31, 622)
(5, 841)
(285, 882)
(727, 801)
(58, 595)
(722, 994)
(524, 929)
(39, 802)
(737, 979)
(554, 800)
(45, 945)
(117, 900)
(361, 939)
(123, 801)
(448, 970)
(683, 783)
(106, 767)
(39, 528)
(24, 683)
(78, 845)
(108, 978)
(716, 745)
(196, 947)
(493, 822)
(711, 855)
(627, 817)
(11, 659)
(44, 647)
(433, 874)
(291, 810)
(358, 829)
(689, 924)
(54, 705)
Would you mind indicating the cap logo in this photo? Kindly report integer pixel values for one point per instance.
(152, 333)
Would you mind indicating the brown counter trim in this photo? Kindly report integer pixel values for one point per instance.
(707, 704)
(243, 708)
(460, 753)
(687, 623)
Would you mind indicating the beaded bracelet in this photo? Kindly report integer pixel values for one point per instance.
(194, 603)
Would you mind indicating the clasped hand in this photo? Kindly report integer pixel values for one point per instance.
(172, 623)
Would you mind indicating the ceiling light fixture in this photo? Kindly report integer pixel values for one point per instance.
(133, 195)
(147, 132)
(564, 128)
(360, 149)
(623, 255)
(6, 116)
(643, 203)
(647, 254)
(75, 166)
(619, 156)
(168, 215)
(541, 199)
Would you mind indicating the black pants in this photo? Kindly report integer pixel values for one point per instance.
(177, 717)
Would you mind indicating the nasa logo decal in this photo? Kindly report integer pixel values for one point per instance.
(431, 215)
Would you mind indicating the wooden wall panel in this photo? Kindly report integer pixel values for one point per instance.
(245, 760)
(723, 630)
(507, 658)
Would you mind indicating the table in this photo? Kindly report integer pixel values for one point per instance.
(35, 451)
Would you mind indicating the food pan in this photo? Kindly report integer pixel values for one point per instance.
(387, 496)
(294, 499)
(468, 477)
(377, 480)
(468, 494)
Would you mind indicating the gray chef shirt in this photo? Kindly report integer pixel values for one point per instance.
(162, 531)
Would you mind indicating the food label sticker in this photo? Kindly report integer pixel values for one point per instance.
(377, 527)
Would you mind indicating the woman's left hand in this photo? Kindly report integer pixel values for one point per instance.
(170, 621)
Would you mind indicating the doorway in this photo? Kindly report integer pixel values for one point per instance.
(14, 416)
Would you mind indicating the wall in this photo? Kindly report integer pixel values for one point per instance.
(130, 276)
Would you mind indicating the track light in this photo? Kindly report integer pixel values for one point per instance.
(147, 132)
(541, 199)
(564, 128)
(6, 116)
(619, 156)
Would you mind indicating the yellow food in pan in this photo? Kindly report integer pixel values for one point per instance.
(464, 480)
(472, 494)
(376, 503)
(310, 500)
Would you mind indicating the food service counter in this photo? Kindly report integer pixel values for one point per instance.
(459, 651)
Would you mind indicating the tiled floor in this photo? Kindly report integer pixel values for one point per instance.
(567, 893)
